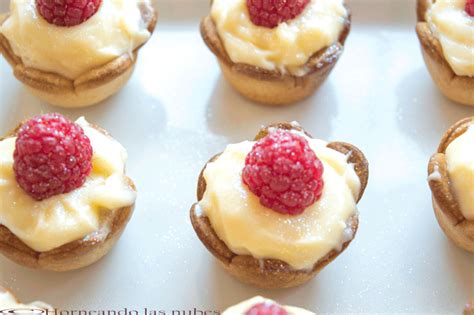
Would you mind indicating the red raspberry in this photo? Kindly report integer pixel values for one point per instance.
(284, 172)
(270, 13)
(67, 12)
(266, 308)
(470, 7)
(52, 156)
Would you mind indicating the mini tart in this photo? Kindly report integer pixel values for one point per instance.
(469, 308)
(74, 255)
(88, 89)
(273, 273)
(459, 89)
(272, 87)
(6, 291)
(446, 207)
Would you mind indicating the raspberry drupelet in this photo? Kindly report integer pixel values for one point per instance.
(270, 13)
(52, 156)
(266, 308)
(67, 12)
(284, 172)
(470, 7)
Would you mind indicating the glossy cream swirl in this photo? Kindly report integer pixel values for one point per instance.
(242, 308)
(248, 228)
(286, 48)
(455, 31)
(48, 224)
(116, 29)
(8, 301)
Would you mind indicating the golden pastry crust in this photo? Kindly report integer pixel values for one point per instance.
(272, 87)
(273, 273)
(88, 89)
(457, 88)
(74, 255)
(446, 207)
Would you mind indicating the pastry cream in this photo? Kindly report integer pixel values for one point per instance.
(248, 228)
(116, 29)
(460, 160)
(287, 47)
(48, 224)
(8, 301)
(242, 308)
(455, 31)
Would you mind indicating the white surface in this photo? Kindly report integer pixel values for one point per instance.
(177, 111)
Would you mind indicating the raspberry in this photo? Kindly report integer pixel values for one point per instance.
(266, 308)
(67, 12)
(470, 7)
(284, 172)
(270, 13)
(52, 156)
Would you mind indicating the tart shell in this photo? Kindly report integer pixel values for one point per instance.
(272, 273)
(74, 255)
(459, 89)
(469, 308)
(446, 207)
(272, 87)
(88, 89)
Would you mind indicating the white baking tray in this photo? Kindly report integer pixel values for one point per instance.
(177, 111)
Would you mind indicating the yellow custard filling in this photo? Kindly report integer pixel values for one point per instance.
(50, 223)
(116, 29)
(242, 308)
(248, 228)
(460, 160)
(455, 31)
(286, 48)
